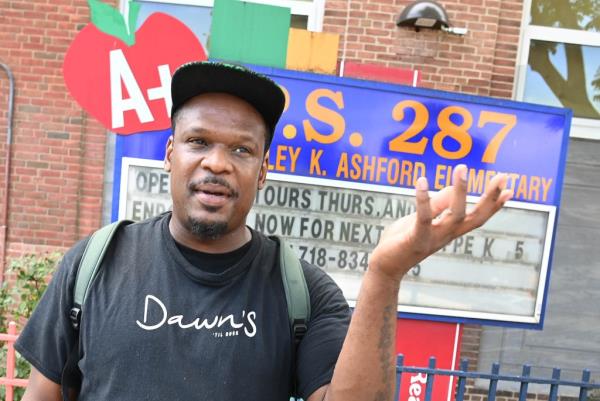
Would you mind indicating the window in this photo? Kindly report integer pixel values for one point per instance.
(311, 11)
(559, 60)
(306, 14)
(195, 16)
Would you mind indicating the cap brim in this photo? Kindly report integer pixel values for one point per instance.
(196, 78)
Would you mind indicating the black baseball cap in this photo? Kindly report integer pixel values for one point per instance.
(198, 77)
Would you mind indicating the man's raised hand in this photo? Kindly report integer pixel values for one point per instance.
(438, 220)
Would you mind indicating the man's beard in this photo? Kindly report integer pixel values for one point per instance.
(207, 230)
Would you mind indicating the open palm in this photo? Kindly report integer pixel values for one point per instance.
(438, 220)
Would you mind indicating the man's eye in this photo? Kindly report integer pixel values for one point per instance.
(241, 149)
(197, 141)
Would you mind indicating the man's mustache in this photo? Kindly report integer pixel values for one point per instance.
(212, 179)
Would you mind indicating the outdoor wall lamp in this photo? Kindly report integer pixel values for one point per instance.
(427, 14)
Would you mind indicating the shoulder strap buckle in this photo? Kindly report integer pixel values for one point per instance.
(75, 317)
(300, 328)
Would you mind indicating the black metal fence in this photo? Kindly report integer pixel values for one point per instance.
(584, 386)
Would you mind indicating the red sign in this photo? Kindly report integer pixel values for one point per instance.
(418, 340)
(381, 73)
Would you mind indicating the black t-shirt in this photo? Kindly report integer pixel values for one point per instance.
(156, 327)
(213, 262)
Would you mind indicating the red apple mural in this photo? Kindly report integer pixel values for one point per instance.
(122, 77)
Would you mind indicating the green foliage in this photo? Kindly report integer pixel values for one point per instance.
(19, 297)
(596, 85)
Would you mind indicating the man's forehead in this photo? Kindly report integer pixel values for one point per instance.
(221, 102)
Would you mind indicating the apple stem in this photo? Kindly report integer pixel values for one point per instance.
(110, 21)
(126, 17)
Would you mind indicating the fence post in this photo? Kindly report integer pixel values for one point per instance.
(524, 382)
(554, 385)
(585, 377)
(399, 364)
(10, 361)
(430, 378)
(494, 381)
(462, 380)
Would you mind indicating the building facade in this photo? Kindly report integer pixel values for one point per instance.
(60, 176)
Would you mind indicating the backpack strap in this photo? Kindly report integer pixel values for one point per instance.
(296, 290)
(88, 268)
(297, 298)
(89, 265)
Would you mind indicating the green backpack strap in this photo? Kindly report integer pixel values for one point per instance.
(89, 265)
(297, 298)
(296, 290)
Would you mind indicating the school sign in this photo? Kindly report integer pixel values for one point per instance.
(343, 164)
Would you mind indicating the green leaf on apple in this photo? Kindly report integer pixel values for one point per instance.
(110, 21)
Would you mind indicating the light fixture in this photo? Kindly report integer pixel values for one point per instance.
(427, 14)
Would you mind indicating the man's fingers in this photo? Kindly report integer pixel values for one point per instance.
(424, 213)
(449, 205)
(440, 201)
(491, 196)
(491, 201)
(459, 196)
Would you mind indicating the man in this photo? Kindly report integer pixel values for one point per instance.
(190, 305)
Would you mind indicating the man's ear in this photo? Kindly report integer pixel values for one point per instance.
(168, 154)
(262, 174)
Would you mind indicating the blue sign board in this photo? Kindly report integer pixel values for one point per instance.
(383, 134)
(352, 132)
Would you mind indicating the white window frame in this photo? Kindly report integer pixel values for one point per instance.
(586, 128)
(313, 9)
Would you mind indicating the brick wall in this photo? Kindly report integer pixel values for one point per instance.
(481, 63)
(57, 151)
(471, 340)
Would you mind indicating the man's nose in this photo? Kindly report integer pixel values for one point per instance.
(217, 160)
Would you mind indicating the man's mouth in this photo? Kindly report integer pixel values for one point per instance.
(213, 192)
(212, 195)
